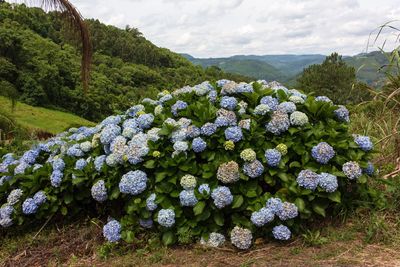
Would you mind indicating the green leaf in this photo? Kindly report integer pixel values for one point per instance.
(64, 211)
(300, 204)
(130, 237)
(219, 219)
(160, 176)
(335, 196)
(251, 193)
(237, 201)
(168, 238)
(150, 164)
(68, 198)
(199, 207)
(319, 209)
(295, 164)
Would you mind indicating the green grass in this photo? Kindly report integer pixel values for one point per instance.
(42, 119)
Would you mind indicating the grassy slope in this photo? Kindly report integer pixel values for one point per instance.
(37, 118)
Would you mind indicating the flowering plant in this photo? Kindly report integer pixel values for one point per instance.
(218, 161)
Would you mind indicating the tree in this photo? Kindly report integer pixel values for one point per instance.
(332, 78)
(72, 15)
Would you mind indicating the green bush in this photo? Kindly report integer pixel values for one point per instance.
(245, 160)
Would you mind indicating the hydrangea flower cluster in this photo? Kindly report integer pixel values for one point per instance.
(200, 157)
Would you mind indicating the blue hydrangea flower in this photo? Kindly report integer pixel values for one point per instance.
(214, 240)
(244, 88)
(228, 102)
(270, 101)
(288, 107)
(274, 204)
(14, 196)
(298, 118)
(4, 179)
(281, 232)
(370, 170)
(198, 145)
(5, 215)
(112, 160)
(29, 206)
(322, 153)
(165, 98)
(323, 99)
(111, 120)
(39, 198)
(109, 133)
(99, 191)
(204, 189)
(56, 178)
(328, 182)
(179, 105)
(30, 156)
(187, 198)
(212, 96)
(222, 82)
(279, 123)
(342, 114)
(166, 217)
(145, 120)
(363, 142)
(234, 133)
(80, 164)
(99, 162)
(181, 146)
(112, 231)
(133, 182)
(151, 202)
(146, 223)
(262, 217)
(273, 157)
(352, 170)
(193, 131)
(222, 196)
(308, 179)
(253, 169)
(21, 167)
(288, 211)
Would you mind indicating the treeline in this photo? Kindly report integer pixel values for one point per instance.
(40, 64)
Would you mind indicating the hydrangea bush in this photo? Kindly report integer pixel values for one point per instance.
(218, 162)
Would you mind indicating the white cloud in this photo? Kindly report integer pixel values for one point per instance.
(214, 28)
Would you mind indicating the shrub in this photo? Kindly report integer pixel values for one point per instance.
(184, 164)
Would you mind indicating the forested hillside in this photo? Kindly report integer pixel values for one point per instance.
(40, 64)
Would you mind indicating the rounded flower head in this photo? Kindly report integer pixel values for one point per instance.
(86, 146)
(288, 107)
(109, 133)
(273, 157)
(296, 99)
(145, 120)
(328, 182)
(261, 109)
(56, 178)
(262, 217)
(39, 198)
(134, 182)
(187, 198)
(214, 240)
(352, 170)
(179, 105)
(248, 154)
(166, 217)
(270, 101)
(14, 196)
(342, 114)
(222, 196)
(5, 215)
(29, 206)
(150, 202)
(323, 99)
(281, 232)
(158, 110)
(228, 102)
(279, 122)
(188, 182)
(245, 124)
(208, 129)
(241, 237)
(322, 153)
(228, 172)
(253, 169)
(275, 205)
(363, 142)
(193, 131)
(156, 154)
(146, 223)
(308, 179)
(112, 231)
(288, 211)
(298, 118)
(233, 133)
(229, 145)
(198, 145)
(99, 191)
(58, 164)
(99, 162)
(80, 164)
(181, 146)
(204, 189)
(282, 148)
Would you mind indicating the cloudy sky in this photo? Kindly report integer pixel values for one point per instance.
(216, 28)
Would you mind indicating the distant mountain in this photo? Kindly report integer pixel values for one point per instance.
(286, 68)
